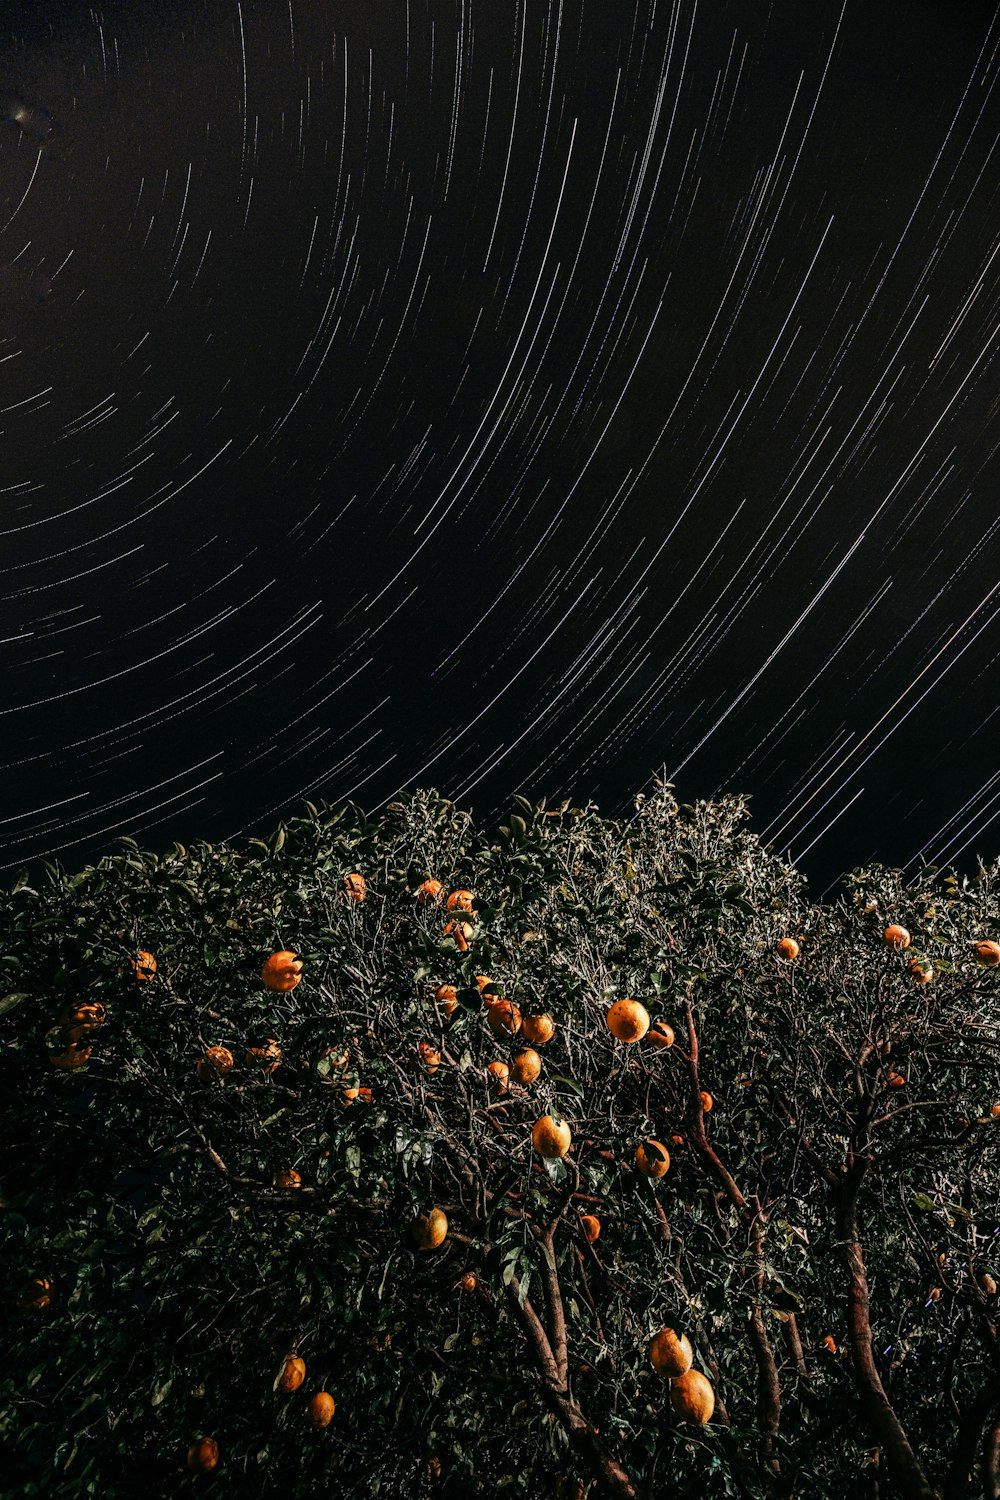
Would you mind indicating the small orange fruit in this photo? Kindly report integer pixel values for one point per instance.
(787, 948)
(429, 1230)
(897, 1081)
(671, 1353)
(628, 1020)
(351, 1096)
(321, 1409)
(287, 1177)
(988, 954)
(706, 1101)
(652, 1158)
(215, 1062)
(526, 1067)
(692, 1397)
(143, 965)
(921, 970)
(470, 1281)
(36, 1296)
(934, 1295)
(203, 1455)
(282, 971)
(460, 901)
(830, 1343)
(266, 1058)
(591, 1226)
(551, 1137)
(503, 1018)
(498, 1077)
(538, 1029)
(446, 996)
(432, 1468)
(462, 932)
(995, 1110)
(661, 1035)
(355, 887)
(897, 937)
(429, 892)
(293, 1372)
(81, 1019)
(72, 1057)
(988, 1285)
(429, 1056)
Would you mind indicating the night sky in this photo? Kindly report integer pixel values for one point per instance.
(527, 396)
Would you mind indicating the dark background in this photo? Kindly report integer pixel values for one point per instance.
(500, 397)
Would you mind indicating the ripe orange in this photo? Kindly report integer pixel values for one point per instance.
(214, 1063)
(787, 948)
(460, 901)
(897, 937)
(526, 1067)
(591, 1226)
(498, 1077)
(934, 1295)
(81, 1019)
(706, 1101)
(143, 965)
(921, 970)
(203, 1455)
(830, 1343)
(538, 1029)
(469, 1281)
(282, 971)
(36, 1296)
(995, 1110)
(463, 932)
(628, 1020)
(321, 1409)
(661, 1035)
(446, 996)
(429, 1056)
(429, 892)
(293, 1372)
(652, 1158)
(266, 1058)
(692, 1397)
(348, 1096)
(286, 1177)
(988, 954)
(432, 1468)
(429, 1230)
(671, 1353)
(551, 1137)
(988, 1285)
(355, 887)
(897, 1081)
(73, 1057)
(503, 1018)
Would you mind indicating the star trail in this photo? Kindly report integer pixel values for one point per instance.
(532, 397)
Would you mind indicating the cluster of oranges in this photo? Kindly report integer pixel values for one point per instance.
(691, 1393)
(70, 1041)
(203, 1455)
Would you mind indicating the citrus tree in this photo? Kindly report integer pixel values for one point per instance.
(587, 1157)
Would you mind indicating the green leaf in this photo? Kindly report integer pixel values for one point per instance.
(928, 1205)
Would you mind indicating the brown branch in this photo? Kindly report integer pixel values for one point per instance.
(991, 1461)
(970, 1435)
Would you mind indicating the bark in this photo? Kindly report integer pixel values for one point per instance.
(897, 1450)
(991, 1460)
(970, 1435)
(795, 1345)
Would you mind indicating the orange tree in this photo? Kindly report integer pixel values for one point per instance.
(277, 1210)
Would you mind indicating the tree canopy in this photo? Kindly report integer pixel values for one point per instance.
(794, 1168)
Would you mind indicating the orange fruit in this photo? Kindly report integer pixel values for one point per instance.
(988, 1285)
(503, 1018)
(830, 1343)
(429, 1230)
(591, 1226)
(921, 971)
(463, 932)
(429, 1056)
(355, 887)
(995, 1110)
(203, 1455)
(446, 996)
(214, 1063)
(897, 937)
(498, 1076)
(551, 1137)
(321, 1409)
(897, 1081)
(628, 1020)
(293, 1372)
(988, 954)
(266, 1058)
(73, 1057)
(36, 1296)
(143, 965)
(429, 892)
(538, 1029)
(526, 1067)
(459, 901)
(432, 1468)
(469, 1281)
(332, 1064)
(692, 1397)
(282, 971)
(483, 980)
(81, 1019)
(671, 1353)
(706, 1101)
(934, 1295)
(661, 1035)
(652, 1158)
(287, 1177)
(349, 1096)
(787, 948)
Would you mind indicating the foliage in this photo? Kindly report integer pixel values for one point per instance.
(843, 1187)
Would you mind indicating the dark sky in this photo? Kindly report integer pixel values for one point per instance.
(500, 397)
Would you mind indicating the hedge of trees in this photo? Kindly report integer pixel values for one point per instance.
(794, 1169)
